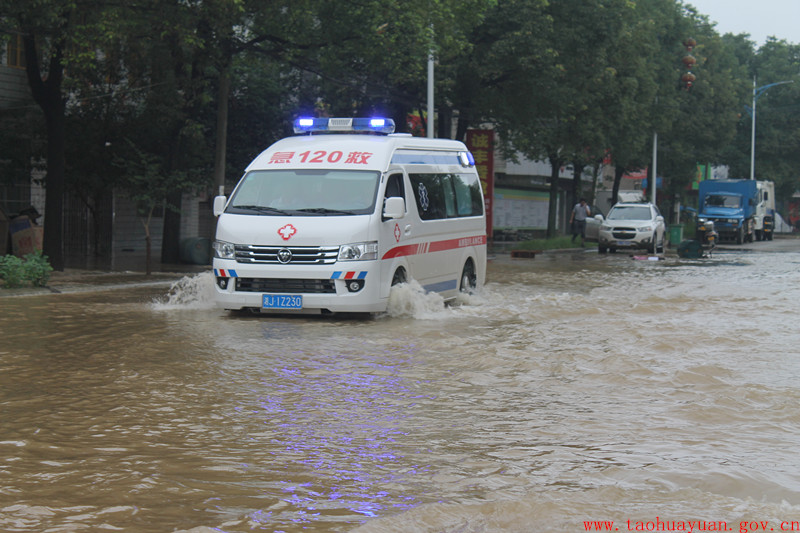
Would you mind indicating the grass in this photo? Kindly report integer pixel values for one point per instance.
(556, 243)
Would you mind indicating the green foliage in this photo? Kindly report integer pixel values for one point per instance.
(16, 272)
(37, 269)
(12, 271)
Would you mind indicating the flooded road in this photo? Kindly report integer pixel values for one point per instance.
(576, 390)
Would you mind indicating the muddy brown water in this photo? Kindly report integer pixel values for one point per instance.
(575, 389)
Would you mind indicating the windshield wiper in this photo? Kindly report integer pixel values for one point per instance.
(261, 209)
(325, 211)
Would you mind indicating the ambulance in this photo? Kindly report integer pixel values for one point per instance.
(327, 221)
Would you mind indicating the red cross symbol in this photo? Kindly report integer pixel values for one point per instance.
(397, 232)
(287, 231)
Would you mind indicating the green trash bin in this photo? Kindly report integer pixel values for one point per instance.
(690, 249)
(675, 234)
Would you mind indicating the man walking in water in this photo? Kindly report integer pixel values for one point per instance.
(578, 220)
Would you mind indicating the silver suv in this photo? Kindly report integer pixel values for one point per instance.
(631, 226)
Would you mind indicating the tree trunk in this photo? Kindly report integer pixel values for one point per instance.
(148, 244)
(577, 172)
(171, 234)
(618, 172)
(220, 153)
(47, 94)
(555, 166)
(595, 174)
(445, 125)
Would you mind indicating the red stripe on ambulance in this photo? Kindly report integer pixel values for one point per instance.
(438, 246)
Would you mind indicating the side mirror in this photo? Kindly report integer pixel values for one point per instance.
(659, 218)
(219, 205)
(394, 207)
(598, 217)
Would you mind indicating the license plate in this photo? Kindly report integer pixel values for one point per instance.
(282, 301)
(624, 243)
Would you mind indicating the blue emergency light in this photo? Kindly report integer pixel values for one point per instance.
(467, 159)
(344, 125)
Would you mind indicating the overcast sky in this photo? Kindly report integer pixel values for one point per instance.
(759, 18)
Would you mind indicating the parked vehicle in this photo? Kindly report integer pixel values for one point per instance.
(741, 210)
(329, 221)
(633, 226)
(593, 224)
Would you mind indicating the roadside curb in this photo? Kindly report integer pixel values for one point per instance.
(76, 280)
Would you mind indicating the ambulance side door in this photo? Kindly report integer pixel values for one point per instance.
(394, 233)
(431, 193)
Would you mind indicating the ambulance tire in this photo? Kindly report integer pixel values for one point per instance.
(399, 276)
(469, 280)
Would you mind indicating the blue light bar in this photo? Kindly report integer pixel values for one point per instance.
(467, 159)
(344, 125)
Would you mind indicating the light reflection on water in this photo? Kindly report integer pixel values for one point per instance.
(575, 387)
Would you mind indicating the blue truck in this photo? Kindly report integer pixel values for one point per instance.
(740, 210)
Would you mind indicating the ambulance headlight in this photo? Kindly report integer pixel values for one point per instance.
(359, 251)
(224, 250)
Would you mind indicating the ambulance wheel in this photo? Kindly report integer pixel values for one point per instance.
(469, 280)
(399, 276)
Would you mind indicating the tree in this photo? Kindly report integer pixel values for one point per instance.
(705, 115)
(778, 115)
(147, 185)
(564, 88)
(45, 28)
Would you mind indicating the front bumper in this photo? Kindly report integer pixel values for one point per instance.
(726, 228)
(625, 238)
(327, 288)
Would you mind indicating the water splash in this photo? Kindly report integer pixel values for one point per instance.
(189, 292)
(410, 300)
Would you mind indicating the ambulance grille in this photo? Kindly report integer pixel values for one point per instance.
(286, 286)
(301, 255)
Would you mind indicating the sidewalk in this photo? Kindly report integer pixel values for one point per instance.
(76, 280)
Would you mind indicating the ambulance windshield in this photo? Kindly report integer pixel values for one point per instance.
(306, 193)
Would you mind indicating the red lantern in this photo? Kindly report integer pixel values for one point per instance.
(689, 61)
(688, 79)
(689, 43)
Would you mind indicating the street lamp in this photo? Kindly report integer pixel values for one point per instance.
(756, 93)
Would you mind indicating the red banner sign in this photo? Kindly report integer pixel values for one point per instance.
(481, 144)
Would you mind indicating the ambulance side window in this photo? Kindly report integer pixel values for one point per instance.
(429, 194)
(394, 186)
(468, 195)
(447, 195)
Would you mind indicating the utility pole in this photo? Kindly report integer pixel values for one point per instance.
(756, 93)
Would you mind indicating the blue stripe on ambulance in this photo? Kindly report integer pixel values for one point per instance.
(442, 286)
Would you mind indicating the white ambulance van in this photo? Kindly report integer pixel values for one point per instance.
(328, 221)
